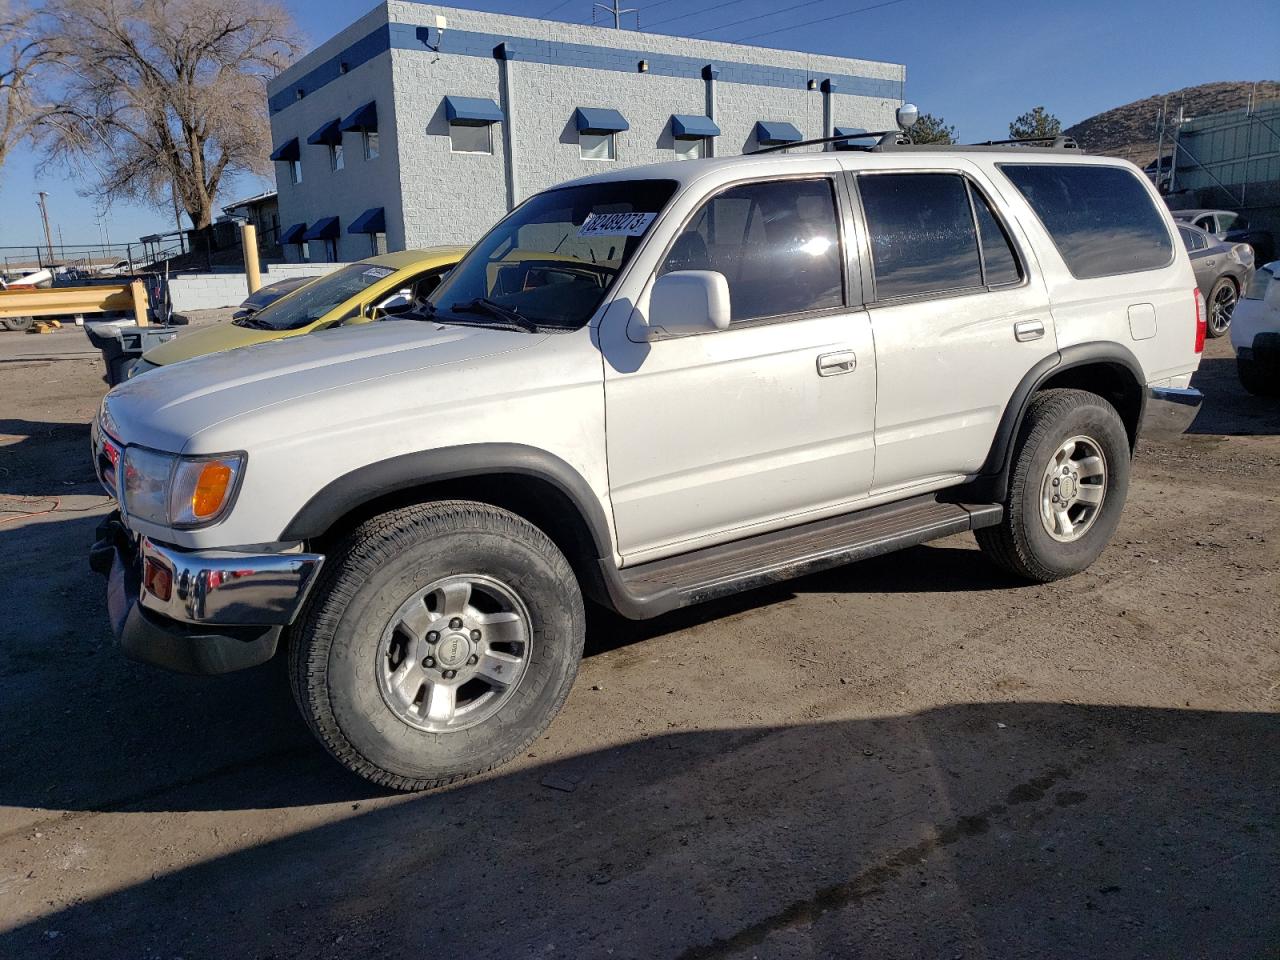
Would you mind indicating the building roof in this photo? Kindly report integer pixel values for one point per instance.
(256, 200)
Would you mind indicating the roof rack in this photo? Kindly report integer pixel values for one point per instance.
(898, 140)
(892, 136)
(1056, 142)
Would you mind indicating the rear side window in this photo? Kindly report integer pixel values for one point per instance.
(1191, 239)
(1101, 219)
(777, 244)
(925, 230)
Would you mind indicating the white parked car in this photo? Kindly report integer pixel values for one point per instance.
(1256, 333)
(649, 388)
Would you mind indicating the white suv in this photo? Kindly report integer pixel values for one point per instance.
(1256, 335)
(648, 388)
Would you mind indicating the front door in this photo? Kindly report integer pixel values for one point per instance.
(716, 436)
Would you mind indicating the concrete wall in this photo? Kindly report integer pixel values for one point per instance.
(432, 195)
(209, 291)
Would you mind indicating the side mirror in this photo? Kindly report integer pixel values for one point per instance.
(688, 302)
(399, 302)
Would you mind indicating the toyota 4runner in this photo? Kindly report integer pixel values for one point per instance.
(648, 388)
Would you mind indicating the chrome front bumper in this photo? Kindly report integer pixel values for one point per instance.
(208, 611)
(1170, 411)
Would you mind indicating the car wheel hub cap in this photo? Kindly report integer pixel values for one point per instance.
(453, 653)
(1073, 489)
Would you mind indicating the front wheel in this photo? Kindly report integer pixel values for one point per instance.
(1066, 490)
(442, 639)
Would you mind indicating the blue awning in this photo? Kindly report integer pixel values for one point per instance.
(472, 111)
(326, 228)
(599, 120)
(287, 152)
(688, 127)
(776, 131)
(330, 133)
(372, 220)
(362, 118)
(294, 234)
(848, 132)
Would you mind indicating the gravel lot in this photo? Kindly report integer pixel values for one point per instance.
(911, 757)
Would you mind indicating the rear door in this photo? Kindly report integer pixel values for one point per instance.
(960, 314)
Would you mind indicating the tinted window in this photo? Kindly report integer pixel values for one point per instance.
(778, 245)
(1192, 239)
(923, 239)
(999, 262)
(1101, 219)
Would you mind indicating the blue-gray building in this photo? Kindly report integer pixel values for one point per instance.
(421, 124)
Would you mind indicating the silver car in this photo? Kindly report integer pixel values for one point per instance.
(1223, 270)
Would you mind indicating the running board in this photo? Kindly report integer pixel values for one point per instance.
(660, 586)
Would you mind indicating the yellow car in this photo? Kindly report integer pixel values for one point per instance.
(357, 293)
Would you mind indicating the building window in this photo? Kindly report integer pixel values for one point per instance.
(596, 146)
(465, 138)
(336, 161)
(377, 244)
(295, 171)
(370, 138)
(691, 149)
(331, 251)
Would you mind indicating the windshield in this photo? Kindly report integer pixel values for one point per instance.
(552, 260)
(317, 298)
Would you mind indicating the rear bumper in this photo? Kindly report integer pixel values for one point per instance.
(1170, 411)
(224, 610)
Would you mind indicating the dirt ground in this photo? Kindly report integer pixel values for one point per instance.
(911, 757)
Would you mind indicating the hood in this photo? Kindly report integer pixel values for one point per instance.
(324, 374)
(211, 339)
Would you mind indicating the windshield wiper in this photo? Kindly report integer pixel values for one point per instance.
(493, 309)
(252, 322)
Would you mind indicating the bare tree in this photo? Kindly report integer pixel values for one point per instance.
(163, 99)
(21, 57)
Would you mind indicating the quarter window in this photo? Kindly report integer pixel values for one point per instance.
(1102, 219)
(1191, 239)
(999, 261)
(777, 244)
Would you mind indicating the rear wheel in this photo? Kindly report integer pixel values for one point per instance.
(18, 323)
(442, 639)
(1223, 298)
(1259, 379)
(1066, 490)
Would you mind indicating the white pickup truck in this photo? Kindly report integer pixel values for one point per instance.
(648, 389)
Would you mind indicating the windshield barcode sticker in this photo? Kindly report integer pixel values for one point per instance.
(379, 272)
(616, 224)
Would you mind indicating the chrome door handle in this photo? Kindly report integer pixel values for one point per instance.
(1027, 330)
(834, 364)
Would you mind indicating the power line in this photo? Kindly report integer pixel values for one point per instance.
(809, 23)
(696, 13)
(761, 16)
(562, 3)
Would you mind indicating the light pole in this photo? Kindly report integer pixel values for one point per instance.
(44, 215)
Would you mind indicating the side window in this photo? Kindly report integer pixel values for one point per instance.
(999, 261)
(1193, 240)
(777, 244)
(1101, 218)
(923, 239)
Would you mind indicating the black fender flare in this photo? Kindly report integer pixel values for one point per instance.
(352, 490)
(995, 470)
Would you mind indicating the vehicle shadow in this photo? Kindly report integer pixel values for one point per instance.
(1229, 409)
(1065, 829)
(28, 450)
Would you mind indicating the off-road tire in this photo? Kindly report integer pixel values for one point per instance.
(1259, 379)
(1020, 544)
(332, 654)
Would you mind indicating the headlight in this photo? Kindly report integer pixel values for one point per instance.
(175, 491)
(1261, 280)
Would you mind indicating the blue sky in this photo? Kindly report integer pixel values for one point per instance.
(977, 64)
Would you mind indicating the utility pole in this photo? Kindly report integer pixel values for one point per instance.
(44, 215)
(616, 12)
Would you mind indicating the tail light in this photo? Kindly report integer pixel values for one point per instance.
(1202, 324)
